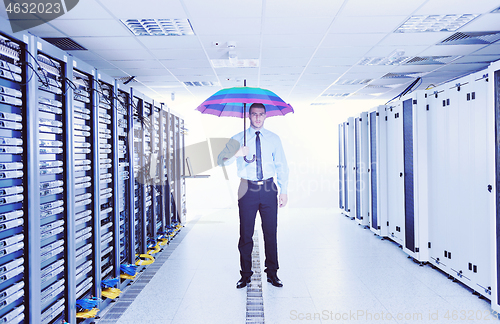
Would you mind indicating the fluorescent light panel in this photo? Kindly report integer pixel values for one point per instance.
(201, 84)
(434, 23)
(159, 27)
(221, 63)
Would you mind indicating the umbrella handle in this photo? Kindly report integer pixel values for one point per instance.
(249, 161)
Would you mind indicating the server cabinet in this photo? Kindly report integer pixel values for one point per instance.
(362, 210)
(493, 117)
(182, 171)
(155, 167)
(395, 173)
(14, 191)
(377, 176)
(126, 182)
(350, 201)
(340, 166)
(415, 177)
(458, 181)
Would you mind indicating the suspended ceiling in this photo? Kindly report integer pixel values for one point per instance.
(314, 52)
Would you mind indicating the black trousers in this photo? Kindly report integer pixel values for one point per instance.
(263, 198)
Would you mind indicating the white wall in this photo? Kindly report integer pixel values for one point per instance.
(310, 141)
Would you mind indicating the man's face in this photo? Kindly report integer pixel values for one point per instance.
(257, 117)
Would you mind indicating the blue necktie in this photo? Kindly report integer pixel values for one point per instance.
(258, 156)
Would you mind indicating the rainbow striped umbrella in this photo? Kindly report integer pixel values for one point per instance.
(232, 102)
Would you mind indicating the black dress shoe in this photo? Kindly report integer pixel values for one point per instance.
(243, 282)
(275, 281)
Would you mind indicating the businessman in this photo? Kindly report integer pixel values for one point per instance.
(257, 190)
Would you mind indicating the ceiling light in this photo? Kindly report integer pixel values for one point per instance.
(159, 27)
(394, 58)
(434, 23)
(354, 82)
(235, 62)
(201, 84)
(339, 95)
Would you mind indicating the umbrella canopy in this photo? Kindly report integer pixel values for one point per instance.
(232, 102)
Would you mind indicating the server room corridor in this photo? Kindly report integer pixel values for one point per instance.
(333, 270)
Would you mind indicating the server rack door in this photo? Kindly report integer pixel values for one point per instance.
(351, 169)
(381, 140)
(357, 167)
(478, 262)
(88, 181)
(15, 154)
(108, 165)
(495, 237)
(408, 175)
(148, 224)
(340, 166)
(177, 170)
(155, 170)
(437, 164)
(363, 164)
(182, 160)
(344, 166)
(395, 169)
(139, 177)
(373, 172)
(57, 199)
(126, 176)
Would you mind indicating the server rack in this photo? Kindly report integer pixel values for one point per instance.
(341, 166)
(157, 206)
(377, 152)
(395, 173)
(164, 171)
(14, 190)
(125, 136)
(109, 180)
(182, 170)
(415, 177)
(350, 182)
(493, 116)
(57, 232)
(362, 210)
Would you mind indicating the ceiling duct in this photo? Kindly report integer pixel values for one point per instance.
(428, 60)
(471, 38)
(65, 43)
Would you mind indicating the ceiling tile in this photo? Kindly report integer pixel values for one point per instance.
(227, 26)
(88, 9)
(490, 49)
(138, 64)
(350, 54)
(445, 7)
(101, 43)
(380, 8)
(451, 50)
(185, 54)
(334, 40)
(369, 25)
(306, 40)
(287, 26)
(182, 63)
(94, 27)
(317, 8)
(201, 9)
(271, 62)
(414, 39)
(285, 53)
(131, 9)
(119, 55)
(488, 22)
(193, 72)
(220, 42)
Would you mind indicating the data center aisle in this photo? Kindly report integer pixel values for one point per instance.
(332, 270)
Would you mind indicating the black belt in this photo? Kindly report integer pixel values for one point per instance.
(259, 182)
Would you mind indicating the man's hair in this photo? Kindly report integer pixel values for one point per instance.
(256, 105)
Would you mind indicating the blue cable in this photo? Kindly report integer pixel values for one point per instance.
(88, 303)
(130, 269)
(109, 283)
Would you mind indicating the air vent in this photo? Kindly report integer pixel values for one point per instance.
(428, 60)
(65, 43)
(159, 27)
(338, 95)
(124, 79)
(201, 84)
(468, 38)
(408, 75)
(434, 23)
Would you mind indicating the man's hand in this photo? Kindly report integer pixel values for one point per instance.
(283, 200)
(243, 151)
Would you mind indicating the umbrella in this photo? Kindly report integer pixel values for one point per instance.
(232, 102)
